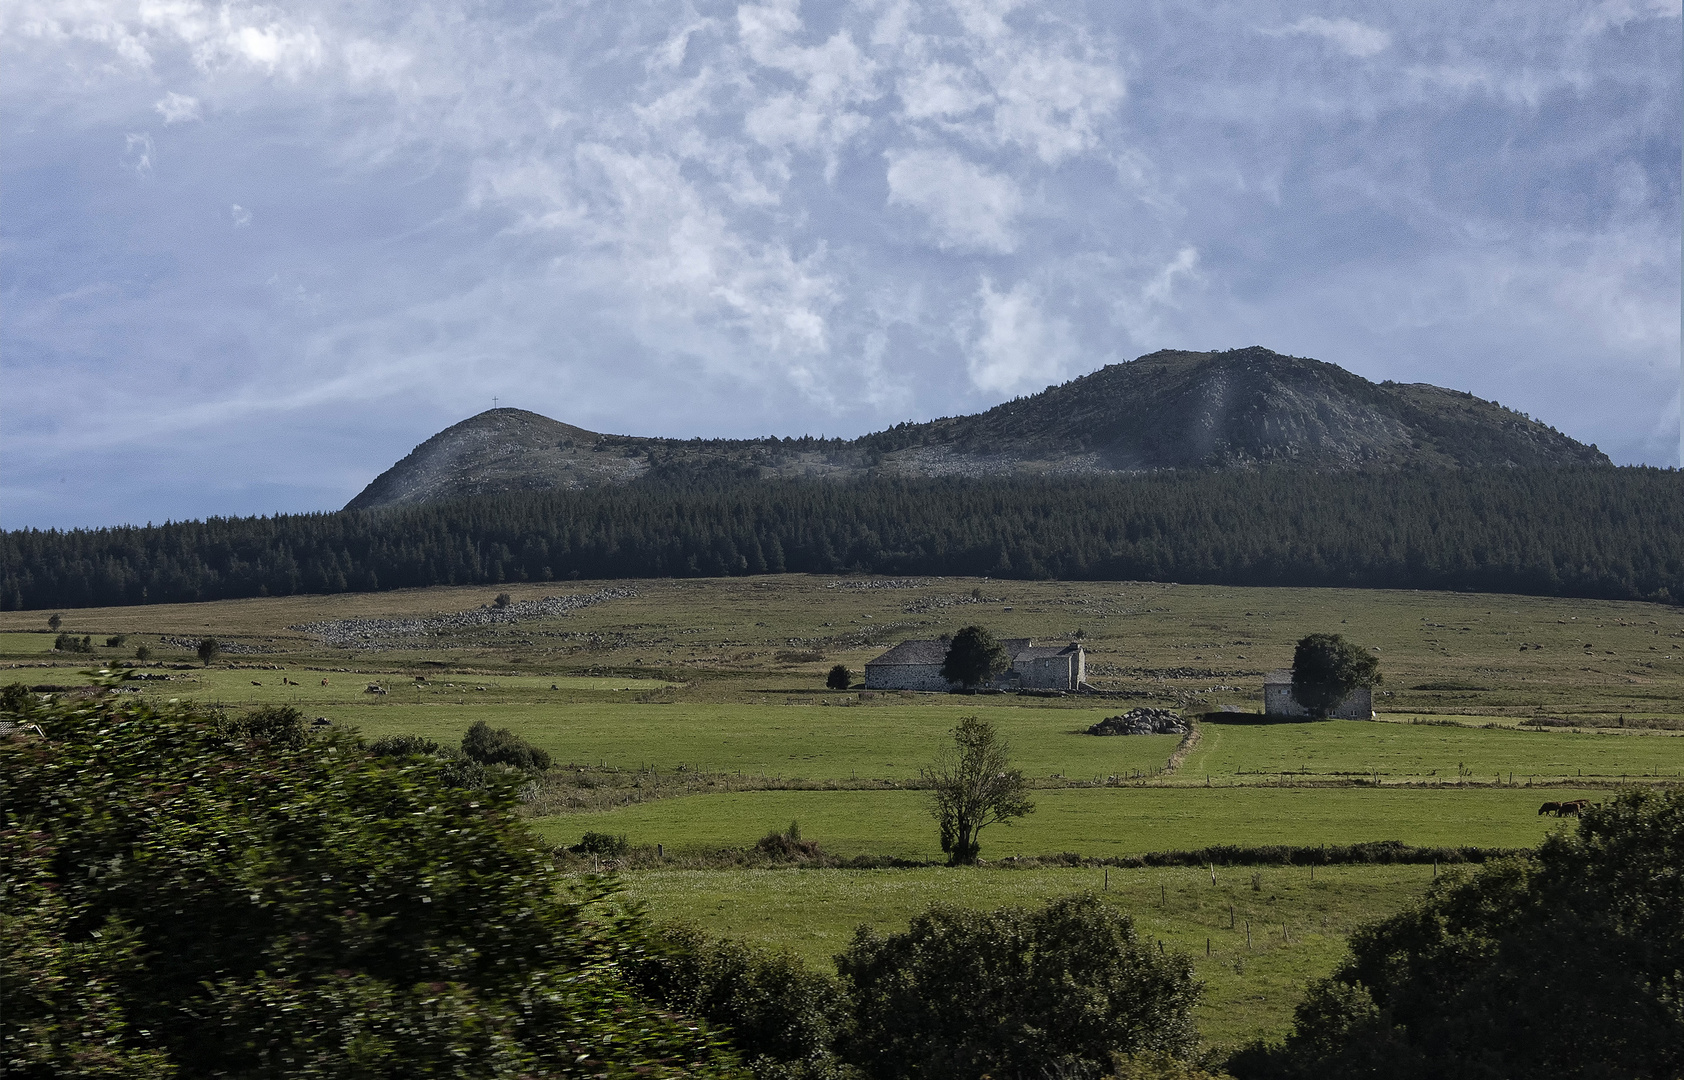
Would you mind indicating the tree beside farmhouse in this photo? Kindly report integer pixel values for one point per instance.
(974, 658)
(1327, 669)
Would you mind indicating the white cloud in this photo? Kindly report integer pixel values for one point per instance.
(712, 204)
(1349, 36)
(137, 153)
(1017, 345)
(240, 215)
(970, 208)
(177, 108)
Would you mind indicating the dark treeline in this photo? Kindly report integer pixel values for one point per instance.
(1605, 533)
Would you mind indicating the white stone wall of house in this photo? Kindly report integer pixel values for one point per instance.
(1278, 701)
(905, 677)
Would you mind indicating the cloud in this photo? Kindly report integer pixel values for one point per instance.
(137, 153)
(775, 217)
(240, 215)
(969, 208)
(1013, 344)
(177, 108)
(1347, 35)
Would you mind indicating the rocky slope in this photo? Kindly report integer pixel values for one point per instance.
(1168, 409)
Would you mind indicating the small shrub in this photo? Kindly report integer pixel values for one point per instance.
(503, 600)
(209, 649)
(54, 621)
(602, 845)
(502, 747)
(274, 725)
(783, 1016)
(397, 746)
(143, 653)
(116, 641)
(72, 643)
(789, 845)
(16, 699)
(839, 677)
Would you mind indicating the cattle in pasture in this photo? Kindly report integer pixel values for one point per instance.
(1572, 809)
(1550, 808)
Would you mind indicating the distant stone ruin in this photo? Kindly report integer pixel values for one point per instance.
(1141, 722)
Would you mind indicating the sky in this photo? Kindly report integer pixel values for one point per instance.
(252, 254)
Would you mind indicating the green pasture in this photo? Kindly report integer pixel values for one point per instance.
(21, 644)
(1430, 753)
(628, 722)
(1249, 990)
(305, 687)
(807, 740)
(1088, 821)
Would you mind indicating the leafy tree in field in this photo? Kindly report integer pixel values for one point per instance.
(1054, 991)
(143, 653)
(972, 785)
(199, 898)
(54, 621)
(1564, 965)
(72, 643)
(1326, 668)
(209, 649)
(974, 657)
(502, 747)
(839, 678)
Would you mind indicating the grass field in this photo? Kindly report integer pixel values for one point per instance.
(1092, 822)
(1249, 990)
(1442, 653)
(1416, 753)
(716, 683)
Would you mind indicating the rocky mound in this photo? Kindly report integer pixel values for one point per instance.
(1166, 410)
(1141, 722)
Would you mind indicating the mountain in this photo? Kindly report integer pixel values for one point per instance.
(1166, 410)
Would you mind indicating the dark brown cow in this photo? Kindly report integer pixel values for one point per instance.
(1550, 808)
(1574, 808)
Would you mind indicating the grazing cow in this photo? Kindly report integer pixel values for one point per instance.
(1574, 808)
(324, 682)
(1550, 808)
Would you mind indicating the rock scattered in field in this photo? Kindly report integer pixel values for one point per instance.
(1141, 722)
(227, 648)
(897, 583)
(402, 633)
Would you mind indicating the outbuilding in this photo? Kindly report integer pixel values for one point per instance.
(1278, 700)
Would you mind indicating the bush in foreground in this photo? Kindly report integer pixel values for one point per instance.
(1055, 991)
(199, 898)
(1564, 964)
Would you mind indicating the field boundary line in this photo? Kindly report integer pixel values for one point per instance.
(1186, 746)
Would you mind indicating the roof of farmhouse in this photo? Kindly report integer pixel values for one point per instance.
(935, 652)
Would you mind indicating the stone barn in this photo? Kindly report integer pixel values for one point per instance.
(916, 665)
(1278, 700)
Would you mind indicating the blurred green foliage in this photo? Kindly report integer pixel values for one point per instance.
(192, 894)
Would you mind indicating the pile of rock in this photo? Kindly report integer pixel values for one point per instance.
(1141, 722)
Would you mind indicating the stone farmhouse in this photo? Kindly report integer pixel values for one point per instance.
(916, 665)
(1278, 700)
